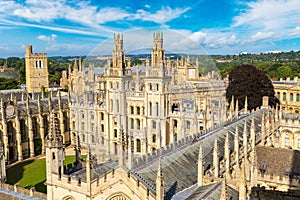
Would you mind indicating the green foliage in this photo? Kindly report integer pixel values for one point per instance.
(2, 62)
(15, 62)
(55, 78)
(22, 75)
(247, 80)
(8, 83)
(268, 63)
(284, 71)
(55, 68)
(136, 62)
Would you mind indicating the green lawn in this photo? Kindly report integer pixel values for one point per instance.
(31, 173)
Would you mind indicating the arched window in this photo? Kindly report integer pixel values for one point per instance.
(291, 97)
(150, 108)
(138, 110)
(115, 133)
(93, 139)
(138, 124)
(278, 95)
(157, 109)
(298, 97)
(154, 138)
(175, 123)
(284, 96)
(83, 137)
(188, 124)
(131, 123)
(138, 146)
(131, 110)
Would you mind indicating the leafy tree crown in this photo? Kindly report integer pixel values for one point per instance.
(247, 80)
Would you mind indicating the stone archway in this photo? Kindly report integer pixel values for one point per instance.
(118, 196)
(68, 198)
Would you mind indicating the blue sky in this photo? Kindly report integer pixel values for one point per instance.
(76, 27)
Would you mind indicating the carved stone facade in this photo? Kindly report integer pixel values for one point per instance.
(155, 104)
(224, 163)
(24, 122)
(288, 92)
(36, 70)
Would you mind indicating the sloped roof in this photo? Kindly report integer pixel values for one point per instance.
(180, 165)
(278, 161)
(210, 192)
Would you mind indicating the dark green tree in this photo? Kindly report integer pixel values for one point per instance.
(247, 80)
(22, 75)
(8, 83)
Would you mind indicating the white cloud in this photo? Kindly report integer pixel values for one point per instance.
(110, 14)
(40, 10)
(147, 6)
(215, 39)
(162, 16)
(86, 19)
(199, 36)
(295, 32)
(49, 39)
(259, 36)
(269, 14)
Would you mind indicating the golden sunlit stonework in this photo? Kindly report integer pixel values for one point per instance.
(154, 104)
(154, 131)
(288, 92)
(36, 70)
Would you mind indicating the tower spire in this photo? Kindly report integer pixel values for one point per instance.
(159, 182)
(200, 165)
(216, 159)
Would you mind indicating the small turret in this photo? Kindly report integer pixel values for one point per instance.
(216, 159)
(159, 182)
(200, 165)
(54, 148)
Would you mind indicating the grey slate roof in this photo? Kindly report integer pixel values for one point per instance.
(180, 165)
(278, 161)
(209, 192)
(9, 194)
(98, 170)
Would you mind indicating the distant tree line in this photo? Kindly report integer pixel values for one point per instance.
(274, 65)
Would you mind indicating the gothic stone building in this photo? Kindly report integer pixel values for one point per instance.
(158, 103)
(36, 70)
(224, 163)
(288, 92)
(25, 121)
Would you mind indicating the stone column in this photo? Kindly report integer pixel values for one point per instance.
(236, 145)
(216, 159)
(42, 132)
(200, 166)
(245, 139)
(227, 154)
(62, 126)
(18, 138)
(4, 130)
(41, 124)
(5, 140)
(30, 135)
